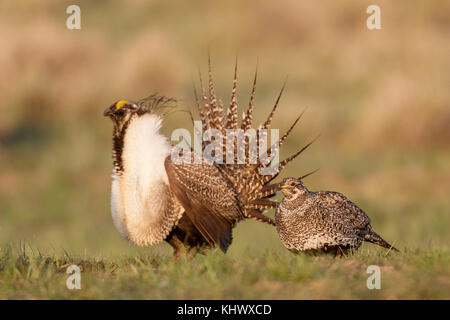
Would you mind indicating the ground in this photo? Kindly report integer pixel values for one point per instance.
(413, 274)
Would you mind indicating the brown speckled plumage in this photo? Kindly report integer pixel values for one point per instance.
(202, 201)
(209, 199)
(246, 178)
(211, 206)
(321, 221)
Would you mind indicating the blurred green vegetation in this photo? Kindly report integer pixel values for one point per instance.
(380, 100)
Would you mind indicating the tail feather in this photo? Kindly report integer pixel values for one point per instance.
(206, 105)
(201, 113)
(308, 174)
(258, 216)
(232, 109)
(247, 122)
(295, 155)
(216, 108)
(284, 137)
(251, 187)
(267, 190)
(285, 162)
(266, 124)
(262, 204)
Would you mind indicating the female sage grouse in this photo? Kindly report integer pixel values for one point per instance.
(189, 205)
(322, 221)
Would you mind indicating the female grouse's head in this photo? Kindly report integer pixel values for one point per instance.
(292, 187)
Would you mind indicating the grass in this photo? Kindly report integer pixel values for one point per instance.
(26, 273)
(60, 217)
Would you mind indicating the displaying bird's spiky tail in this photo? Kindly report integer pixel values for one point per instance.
(372, 237)
(245, 175)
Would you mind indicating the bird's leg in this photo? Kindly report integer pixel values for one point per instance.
(343, 251)
(178, 247)
(339, 252)
(192, 251)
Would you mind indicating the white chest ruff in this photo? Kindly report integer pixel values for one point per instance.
(143, 208)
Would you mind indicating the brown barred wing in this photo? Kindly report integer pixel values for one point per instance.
(344, 209)
(341, 216)
(208, 198)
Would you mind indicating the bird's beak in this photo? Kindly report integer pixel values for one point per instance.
(108, 111)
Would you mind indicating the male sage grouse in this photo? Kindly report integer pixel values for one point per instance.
(189, 205)
(322, 221)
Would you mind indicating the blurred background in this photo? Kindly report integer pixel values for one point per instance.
(379, 98)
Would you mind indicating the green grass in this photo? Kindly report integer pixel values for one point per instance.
(58, 205)
(26, 273)
(53, 216)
